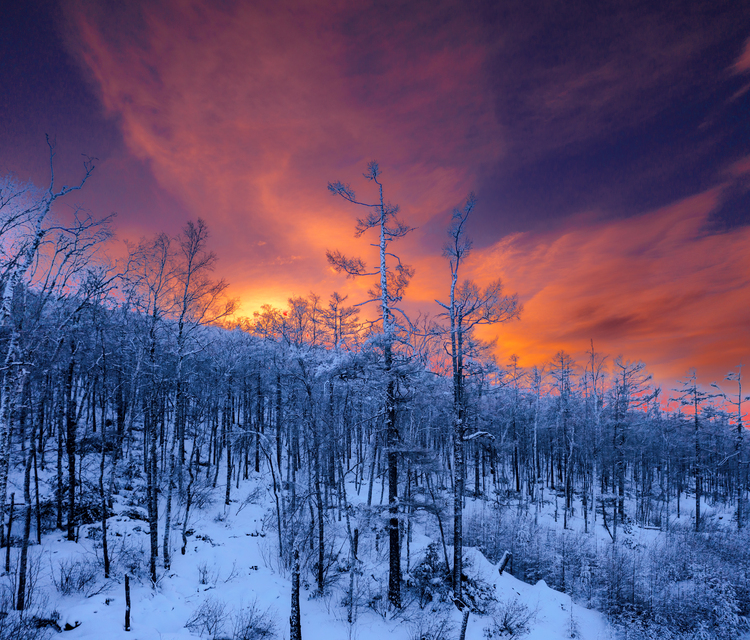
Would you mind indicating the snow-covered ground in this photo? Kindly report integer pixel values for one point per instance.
(231, 565)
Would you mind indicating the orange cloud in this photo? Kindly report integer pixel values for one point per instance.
(654, 287)
(244, 114)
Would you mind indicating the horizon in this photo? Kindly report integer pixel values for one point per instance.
(608, 150)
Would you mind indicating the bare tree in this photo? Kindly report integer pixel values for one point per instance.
(562, 372)
(389, 291)
(57, 290)
(151, 270)
(23, 215)
(340, 320)
(736, 376)
(693, 396)
(630, 390)
(198, 301)
(467, 308)
(592, 379)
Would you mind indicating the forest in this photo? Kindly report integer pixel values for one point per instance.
(133, 392)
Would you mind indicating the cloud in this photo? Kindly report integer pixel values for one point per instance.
(742, 64)
(654, 287)
(567, 74)
(741, 67)
(244, 113)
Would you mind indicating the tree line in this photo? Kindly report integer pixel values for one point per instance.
(142, 372)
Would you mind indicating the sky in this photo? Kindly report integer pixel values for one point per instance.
(607, 143)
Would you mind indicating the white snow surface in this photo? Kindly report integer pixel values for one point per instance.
(238, 561)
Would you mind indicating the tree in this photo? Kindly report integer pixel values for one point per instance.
(152, 276)
(48, 306)
(389, 291)
(592, 379)
(562, 372)
(468, 307)
(736, 376)
(341, 321)
(693, 396)
(199, 301)
(23, 215)
(630, 389)
(295, 623)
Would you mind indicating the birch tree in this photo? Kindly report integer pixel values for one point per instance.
(151, 269)
(198, 301)
(24, 214)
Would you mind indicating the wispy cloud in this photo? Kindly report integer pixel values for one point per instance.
(244, 112)
(654, 287)
(742, 64)
(568, 74)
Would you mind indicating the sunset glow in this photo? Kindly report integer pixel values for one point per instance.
(608, 149)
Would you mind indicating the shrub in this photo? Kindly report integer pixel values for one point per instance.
(252, 623)
(30, 624)
(208, 619)
(75, 576)
(129, 558)
(430, 626)
(680, 584)
(19, 626)
(206, 574)
(202, 493)
(430, 578)
(510, 619)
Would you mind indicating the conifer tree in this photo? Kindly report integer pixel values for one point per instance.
(389, 291)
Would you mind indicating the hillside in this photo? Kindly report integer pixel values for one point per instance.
(231, 572)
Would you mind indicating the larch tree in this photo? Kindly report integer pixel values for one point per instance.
(468, 307)
(340, 321)
(630, 390)
(593, 378)
(393, 280)
(736, 376)
(691, 395)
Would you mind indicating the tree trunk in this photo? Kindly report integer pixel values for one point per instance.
(168, 507)
(8, 539)
(458, 451)
(464, 624)
(295, 624)
(698, 469)
(394, 554)
(21, 596)
(127, 602)
(70, 443)
(152, 471)
(321, 521)
(194, 459)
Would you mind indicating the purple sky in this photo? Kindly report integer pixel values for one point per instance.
(608, 144)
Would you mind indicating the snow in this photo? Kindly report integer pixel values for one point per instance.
(232, 559)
